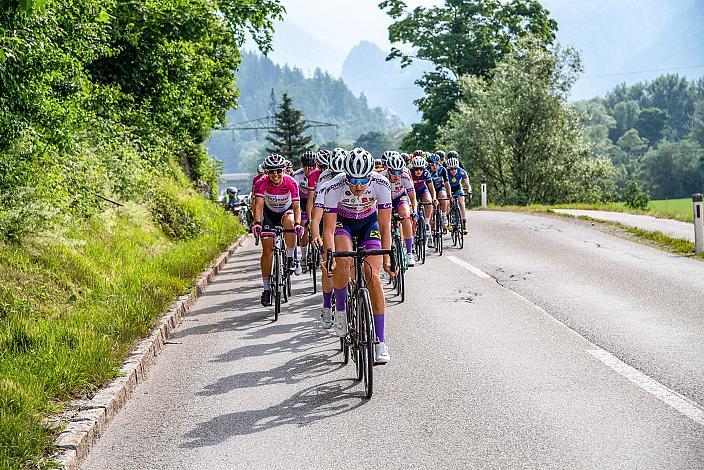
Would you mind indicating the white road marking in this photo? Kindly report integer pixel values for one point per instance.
(476, 271)
(650, 385)
(670, 397)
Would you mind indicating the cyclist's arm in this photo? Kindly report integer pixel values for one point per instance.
(431, 187)
(296, 205)
(384, 218)
(467, 184)
(258, 209)
(329, 223)
(447, 188)
(414, 201)
(309, 205)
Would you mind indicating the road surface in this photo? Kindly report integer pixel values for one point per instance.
(672, 228)
(542, 344)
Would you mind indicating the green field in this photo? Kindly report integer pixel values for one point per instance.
(677, 209)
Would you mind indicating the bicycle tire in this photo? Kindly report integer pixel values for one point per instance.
(460, 238)
(277, 285)
(314, 267)
(364, 310)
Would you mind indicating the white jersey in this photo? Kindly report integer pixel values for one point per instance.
(340, 199)
(404, 185)
(325, 176)
(302, 180)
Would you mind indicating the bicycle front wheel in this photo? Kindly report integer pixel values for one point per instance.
(366, 340)
(276, 291)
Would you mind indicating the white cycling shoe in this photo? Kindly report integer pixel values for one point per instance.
(340, 324)
(411, 259)
(298, 269)
(326, 317)
(381, 353)
(430, 242)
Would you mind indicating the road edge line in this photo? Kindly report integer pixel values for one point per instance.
(84, 429)
(474, 270)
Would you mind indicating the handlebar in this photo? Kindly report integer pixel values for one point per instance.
(359, 254)
(275, 232)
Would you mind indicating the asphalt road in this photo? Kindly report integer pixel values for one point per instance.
(578, 350)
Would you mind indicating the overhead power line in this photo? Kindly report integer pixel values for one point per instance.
(636, 72)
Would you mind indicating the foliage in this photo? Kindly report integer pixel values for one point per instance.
(634, 196)
(517, 133)
(459, 37)
(375, 143)
(99, 97)
(171, 211)
(674, 169)
(288, 138)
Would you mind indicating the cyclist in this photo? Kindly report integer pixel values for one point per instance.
(301, 177)
(453, 154)
(358, 204)
(317, 195)
(458, 178)
(438, 173)
(232, 200)
(406, 158)
(441, 156)
(402, 194)
(425, 190)
(288, 168)
(276, 203)
(378, 165)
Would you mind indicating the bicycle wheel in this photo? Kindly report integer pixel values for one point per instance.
(423, 240)
(277, 285)
(313, 267)
(460, 236)
(366, 340)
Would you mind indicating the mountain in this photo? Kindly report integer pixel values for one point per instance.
(321, 97)
(630, 40)
(385, 84)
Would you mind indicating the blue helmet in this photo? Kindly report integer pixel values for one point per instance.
(434, 158)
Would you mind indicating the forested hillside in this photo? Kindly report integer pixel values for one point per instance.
(653, 132)
(321, 98)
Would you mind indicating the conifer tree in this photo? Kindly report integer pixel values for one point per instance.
(288, 137)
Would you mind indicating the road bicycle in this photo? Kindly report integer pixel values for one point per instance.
(437, 227)
(312, 261)
(280, 277)
(399, 280)
(456, 223)
(421, 236)
(360, 337)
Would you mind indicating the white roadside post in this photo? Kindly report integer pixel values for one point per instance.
(698, 225)
(484, 195)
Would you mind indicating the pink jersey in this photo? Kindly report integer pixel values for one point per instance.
(340, 199)
(402, 186)
(313, 177)
(277, 198)
(255, 180)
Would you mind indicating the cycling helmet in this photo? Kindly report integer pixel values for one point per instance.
(378, 164)
(418, 162)
(396, 162)
(433, 158)
(308, 158)
(453, 162)
(452, 154)
(406, 157)
(274, 162)
(232, 190)
(288, 165)
(386, 155)
(359, 164)
(419, 153)
(440, 154)
(322, 157)
(337, 160)
(260, 169)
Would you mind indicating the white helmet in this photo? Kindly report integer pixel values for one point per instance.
(322, 157)
(260, 169)
(359, 164)
(274, 162)
(453, 163)
(396, 161)
(337, 160)
(418, 162)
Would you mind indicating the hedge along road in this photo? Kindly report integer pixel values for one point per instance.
(482, 375)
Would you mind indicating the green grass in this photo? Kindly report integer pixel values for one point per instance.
(73, 304)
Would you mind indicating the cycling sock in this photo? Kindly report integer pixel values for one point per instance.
(341, 299)
(379, 326)
(409, 245)
(327, 299)
(267, 283)
(290, 252)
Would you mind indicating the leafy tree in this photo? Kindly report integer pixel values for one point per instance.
(520, 136)
(460, 37)
(375, 143)
(673, 169)
(288, 138)
(626, 116)
(634, 196)
(633, 144)
(651, 123)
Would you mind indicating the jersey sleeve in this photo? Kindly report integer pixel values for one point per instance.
(320, 196)
(331, 198)
(293, 187)
(313, 178)
(445, 176)
(383, 194)
(407, 183)
(259, 187)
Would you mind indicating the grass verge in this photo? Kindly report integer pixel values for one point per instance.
(674, 209)
(73, 304)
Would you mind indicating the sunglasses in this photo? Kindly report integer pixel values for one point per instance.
(418, 169)
(275, 172)
(354, 181)
(454, 168)
(396, 172)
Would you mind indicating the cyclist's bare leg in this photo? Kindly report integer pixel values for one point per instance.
(287, 223)
(372, 268)
(341, 273)
(404, 210)
(427, 208)
(266, 259)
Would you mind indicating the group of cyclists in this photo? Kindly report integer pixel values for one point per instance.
(339, 196)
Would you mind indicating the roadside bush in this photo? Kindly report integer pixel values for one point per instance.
(634, 196)
(171, 211)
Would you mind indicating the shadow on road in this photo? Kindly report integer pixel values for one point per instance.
(305, 407)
